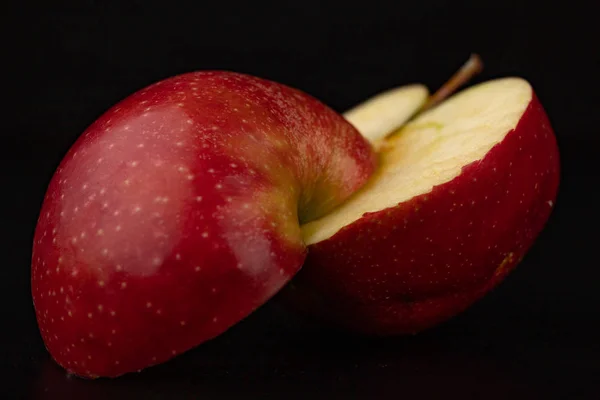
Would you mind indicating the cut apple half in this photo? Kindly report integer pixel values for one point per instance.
(432, 149)
(385, 112)
(460, 195)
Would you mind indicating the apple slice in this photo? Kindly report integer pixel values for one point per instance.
(460, 195)
(385, 112)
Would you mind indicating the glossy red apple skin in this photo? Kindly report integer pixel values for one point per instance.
(413, 266)
(175, 215)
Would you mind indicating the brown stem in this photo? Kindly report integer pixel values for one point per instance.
(472, 67)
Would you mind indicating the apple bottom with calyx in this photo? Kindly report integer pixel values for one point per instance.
(460, 195)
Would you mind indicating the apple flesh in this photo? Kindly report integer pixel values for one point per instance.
(387, 111)
(460, 195)
(176, 214)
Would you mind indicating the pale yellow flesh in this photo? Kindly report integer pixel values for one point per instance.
(432, 149)
(383, 113)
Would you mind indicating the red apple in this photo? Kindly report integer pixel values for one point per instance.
(176, 214)
(460, 195)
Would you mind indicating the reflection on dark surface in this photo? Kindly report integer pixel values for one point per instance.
(264, 358)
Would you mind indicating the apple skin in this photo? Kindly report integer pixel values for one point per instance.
(175, 215)
(410, 267)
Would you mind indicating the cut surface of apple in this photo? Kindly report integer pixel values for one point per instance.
(432, 149)
(385, 112)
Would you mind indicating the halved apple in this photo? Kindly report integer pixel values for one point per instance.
(460, 195)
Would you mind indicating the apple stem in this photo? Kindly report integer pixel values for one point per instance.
(469, 69)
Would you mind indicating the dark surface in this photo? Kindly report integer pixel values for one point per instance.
(536, 336)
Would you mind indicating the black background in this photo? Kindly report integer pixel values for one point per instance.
(536, 336)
